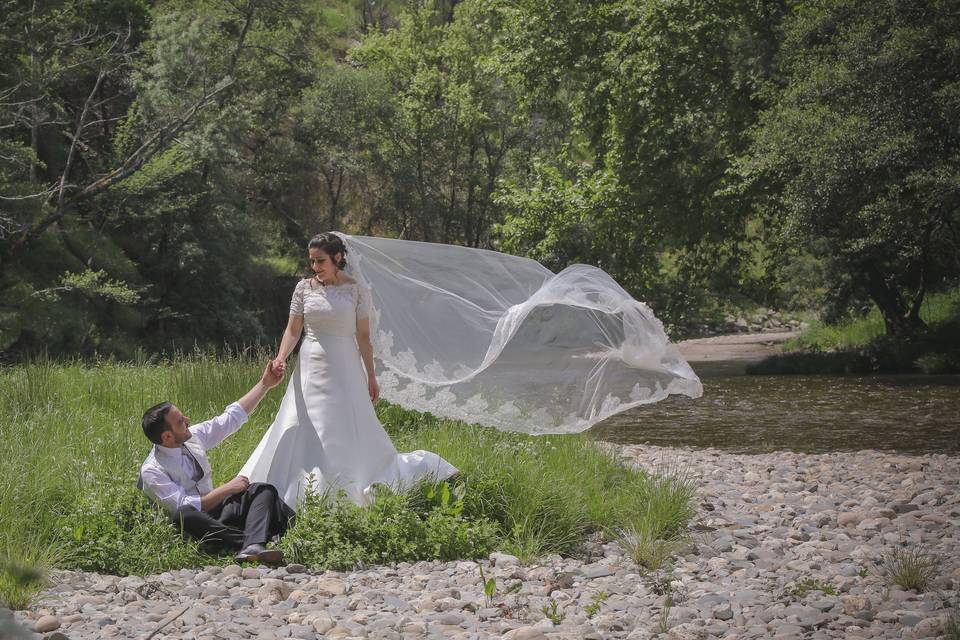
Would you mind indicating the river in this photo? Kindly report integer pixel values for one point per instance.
(805, 413)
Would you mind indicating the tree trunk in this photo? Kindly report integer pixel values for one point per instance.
(900, 319)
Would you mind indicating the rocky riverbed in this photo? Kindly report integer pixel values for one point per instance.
(785, 546)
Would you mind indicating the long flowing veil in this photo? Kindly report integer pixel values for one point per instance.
(500, 340)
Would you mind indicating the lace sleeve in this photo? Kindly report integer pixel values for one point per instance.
(363, 302)
(296, 303)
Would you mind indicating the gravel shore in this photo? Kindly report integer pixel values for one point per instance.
(786, 545)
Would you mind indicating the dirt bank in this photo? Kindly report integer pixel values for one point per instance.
(728, 355)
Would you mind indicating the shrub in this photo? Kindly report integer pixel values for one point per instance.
(426, 522)
(119, 531)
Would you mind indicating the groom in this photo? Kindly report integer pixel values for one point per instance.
(177, 475)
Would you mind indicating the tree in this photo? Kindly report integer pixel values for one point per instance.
(129, 138)
(658, 97)
(859, 146)
(455, 122)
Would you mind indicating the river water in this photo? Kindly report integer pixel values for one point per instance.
(812, 414)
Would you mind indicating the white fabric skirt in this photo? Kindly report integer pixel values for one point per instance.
(326, 435)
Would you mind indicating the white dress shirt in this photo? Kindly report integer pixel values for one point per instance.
(177, 477)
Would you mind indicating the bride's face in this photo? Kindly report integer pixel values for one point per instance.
(322, 264)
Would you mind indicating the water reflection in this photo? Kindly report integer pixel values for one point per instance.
(751, 414)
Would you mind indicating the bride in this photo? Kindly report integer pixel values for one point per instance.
(326, 430)
(466, 334)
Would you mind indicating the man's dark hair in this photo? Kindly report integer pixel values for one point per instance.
(155, 421)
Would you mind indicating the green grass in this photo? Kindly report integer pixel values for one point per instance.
(910, 567)
(951, 626)
(862, 345)
(937, 308)
(71, 446)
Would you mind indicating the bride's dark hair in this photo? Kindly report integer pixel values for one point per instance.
(331, 244)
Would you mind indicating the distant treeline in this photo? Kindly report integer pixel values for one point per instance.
(162, 164)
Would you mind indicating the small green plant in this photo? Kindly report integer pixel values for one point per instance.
(801, 588)
(862, 572)
(552, 611)
(489, 586)
(648, 549)
(951, 626)
(596, 602)
(663, 622)
(951, 629)
(910, 567)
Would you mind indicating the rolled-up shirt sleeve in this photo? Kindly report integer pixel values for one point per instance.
(214, 431)
(159, 486)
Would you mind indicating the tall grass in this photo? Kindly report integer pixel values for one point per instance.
(71, 446)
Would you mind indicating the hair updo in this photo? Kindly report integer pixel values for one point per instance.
(331, 244)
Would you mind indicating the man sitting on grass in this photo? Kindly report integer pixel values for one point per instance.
(176, 474)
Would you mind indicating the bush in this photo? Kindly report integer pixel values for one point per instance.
(119, 531)
(424, 523)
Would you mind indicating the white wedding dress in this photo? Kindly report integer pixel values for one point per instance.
(326, 435)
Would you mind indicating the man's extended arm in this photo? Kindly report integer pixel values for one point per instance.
(214, 431)
(270, 378)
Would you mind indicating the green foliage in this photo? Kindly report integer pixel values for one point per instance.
(552, 612)
(857, 150)
(456, 127)
(704, 155)
(92, 283)
(560, 221)
(423, 523)
(596, 602)
(801, 588)
(647, 548)
(19, 582)
(118, 531)
(938, 309)
(489, 586)
(862, 346)
(545, 493)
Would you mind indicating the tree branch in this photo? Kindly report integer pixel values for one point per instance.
(76, 138)
(156, 143)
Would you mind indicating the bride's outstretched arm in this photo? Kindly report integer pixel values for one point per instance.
(289, 340)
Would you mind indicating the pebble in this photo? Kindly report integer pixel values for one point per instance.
(791, 546)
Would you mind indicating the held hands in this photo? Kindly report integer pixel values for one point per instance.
(238, 484)
(373, 388)
(279, 365)
(272, 374)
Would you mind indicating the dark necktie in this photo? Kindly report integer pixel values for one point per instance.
(197, 469)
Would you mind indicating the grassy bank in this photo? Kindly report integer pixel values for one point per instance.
(71, 446)
(861, 345)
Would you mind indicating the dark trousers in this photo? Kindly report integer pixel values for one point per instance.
(252, 517)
